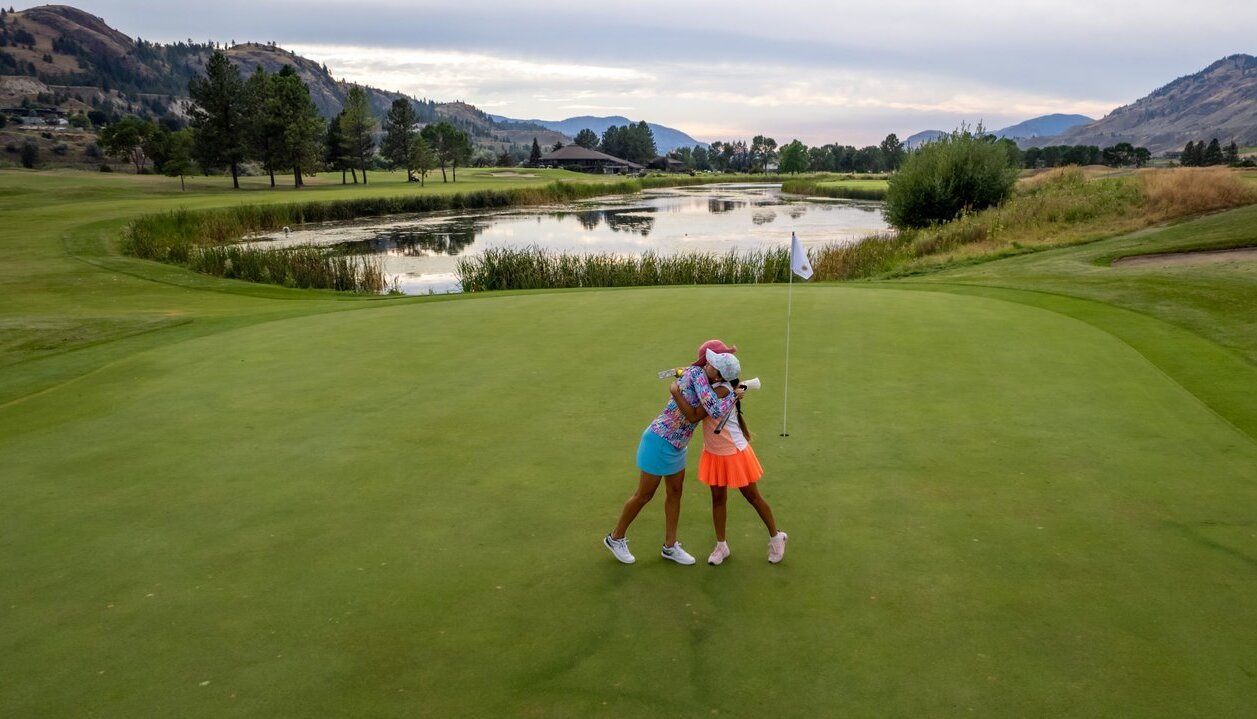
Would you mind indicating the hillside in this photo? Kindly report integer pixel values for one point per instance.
(1219, 101)
(56, 56)
(918, 139)
(1045, 125)
(667, 139)
(69, 50)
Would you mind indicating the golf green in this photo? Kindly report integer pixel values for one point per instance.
(396, 510)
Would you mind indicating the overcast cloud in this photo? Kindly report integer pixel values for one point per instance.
(817, 71)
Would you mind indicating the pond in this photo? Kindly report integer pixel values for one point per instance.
(420, 252)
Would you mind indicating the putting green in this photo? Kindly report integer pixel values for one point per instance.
(397, 510)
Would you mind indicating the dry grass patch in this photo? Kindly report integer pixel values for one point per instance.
(1051, 208)
(1192, 190)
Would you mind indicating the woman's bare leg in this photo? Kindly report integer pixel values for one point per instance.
(646, 486)
(719, 510)
(674, 484)
(761, 506)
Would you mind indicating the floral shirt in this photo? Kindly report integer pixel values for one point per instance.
(697, 391)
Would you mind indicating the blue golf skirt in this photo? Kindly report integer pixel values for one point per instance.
(655, 455)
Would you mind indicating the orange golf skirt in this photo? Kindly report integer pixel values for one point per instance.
(729, 470)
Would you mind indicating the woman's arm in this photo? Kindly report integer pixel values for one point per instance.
(692, 413)
(717, 405)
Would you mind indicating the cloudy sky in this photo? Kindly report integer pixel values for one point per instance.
(824, 71)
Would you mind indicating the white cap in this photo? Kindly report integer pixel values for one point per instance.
(726, 364)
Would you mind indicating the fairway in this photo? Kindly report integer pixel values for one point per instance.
(994, 510)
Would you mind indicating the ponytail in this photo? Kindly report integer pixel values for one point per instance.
(742, 422)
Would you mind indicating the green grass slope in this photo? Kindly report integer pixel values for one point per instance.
(228, 500)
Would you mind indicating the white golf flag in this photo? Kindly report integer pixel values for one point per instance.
(798, 258)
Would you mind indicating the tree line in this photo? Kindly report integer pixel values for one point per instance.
(762, 154)
(270, 119)
(1123, 154)
(1198, 154)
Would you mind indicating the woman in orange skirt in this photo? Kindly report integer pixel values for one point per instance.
(728, 461)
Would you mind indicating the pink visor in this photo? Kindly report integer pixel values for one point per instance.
(716, 346)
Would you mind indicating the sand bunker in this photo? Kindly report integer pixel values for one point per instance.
(1203, 257)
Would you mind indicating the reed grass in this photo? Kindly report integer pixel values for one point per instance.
(302, 267)
(823, 187)
(533, 267)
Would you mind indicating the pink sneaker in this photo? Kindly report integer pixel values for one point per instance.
(719, 554)
(777, 547)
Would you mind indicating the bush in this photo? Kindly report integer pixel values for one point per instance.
(958, 173)
(30, 155)
(61, 149)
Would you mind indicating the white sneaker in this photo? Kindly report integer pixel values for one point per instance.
(777, 547)
(677, 554)
(719, 554)
(619, 547)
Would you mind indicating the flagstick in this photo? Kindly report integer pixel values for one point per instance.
(789, 308)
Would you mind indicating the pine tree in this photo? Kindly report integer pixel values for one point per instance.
(300, 121)
(587, 138)
(399, 132)
(334, 148)
(357, 128)
(421, 159)
(263, 129)
(534, 157)
(1190, 157)
(1212, 154)
(218, 115)
(451, 146)
(1232, 154)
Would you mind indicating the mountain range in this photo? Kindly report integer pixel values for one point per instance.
(1042, 126)
(62, 57)
(667, 139)
(1219, 101)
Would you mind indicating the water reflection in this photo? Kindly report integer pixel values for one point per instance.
(717, 205)
(450, 238)
(627, 220)
(421, 252)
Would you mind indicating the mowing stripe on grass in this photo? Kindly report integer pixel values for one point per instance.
(1210, 372)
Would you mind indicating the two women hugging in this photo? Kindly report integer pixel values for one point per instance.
(707, 391)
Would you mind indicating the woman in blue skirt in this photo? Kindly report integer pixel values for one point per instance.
(661, 452)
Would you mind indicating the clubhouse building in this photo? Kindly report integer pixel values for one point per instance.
(582, 159)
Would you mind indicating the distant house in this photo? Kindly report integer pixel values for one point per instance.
(581, 159)
(669, 163)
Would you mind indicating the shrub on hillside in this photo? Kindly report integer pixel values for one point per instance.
(30, 155)
(961, 172)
